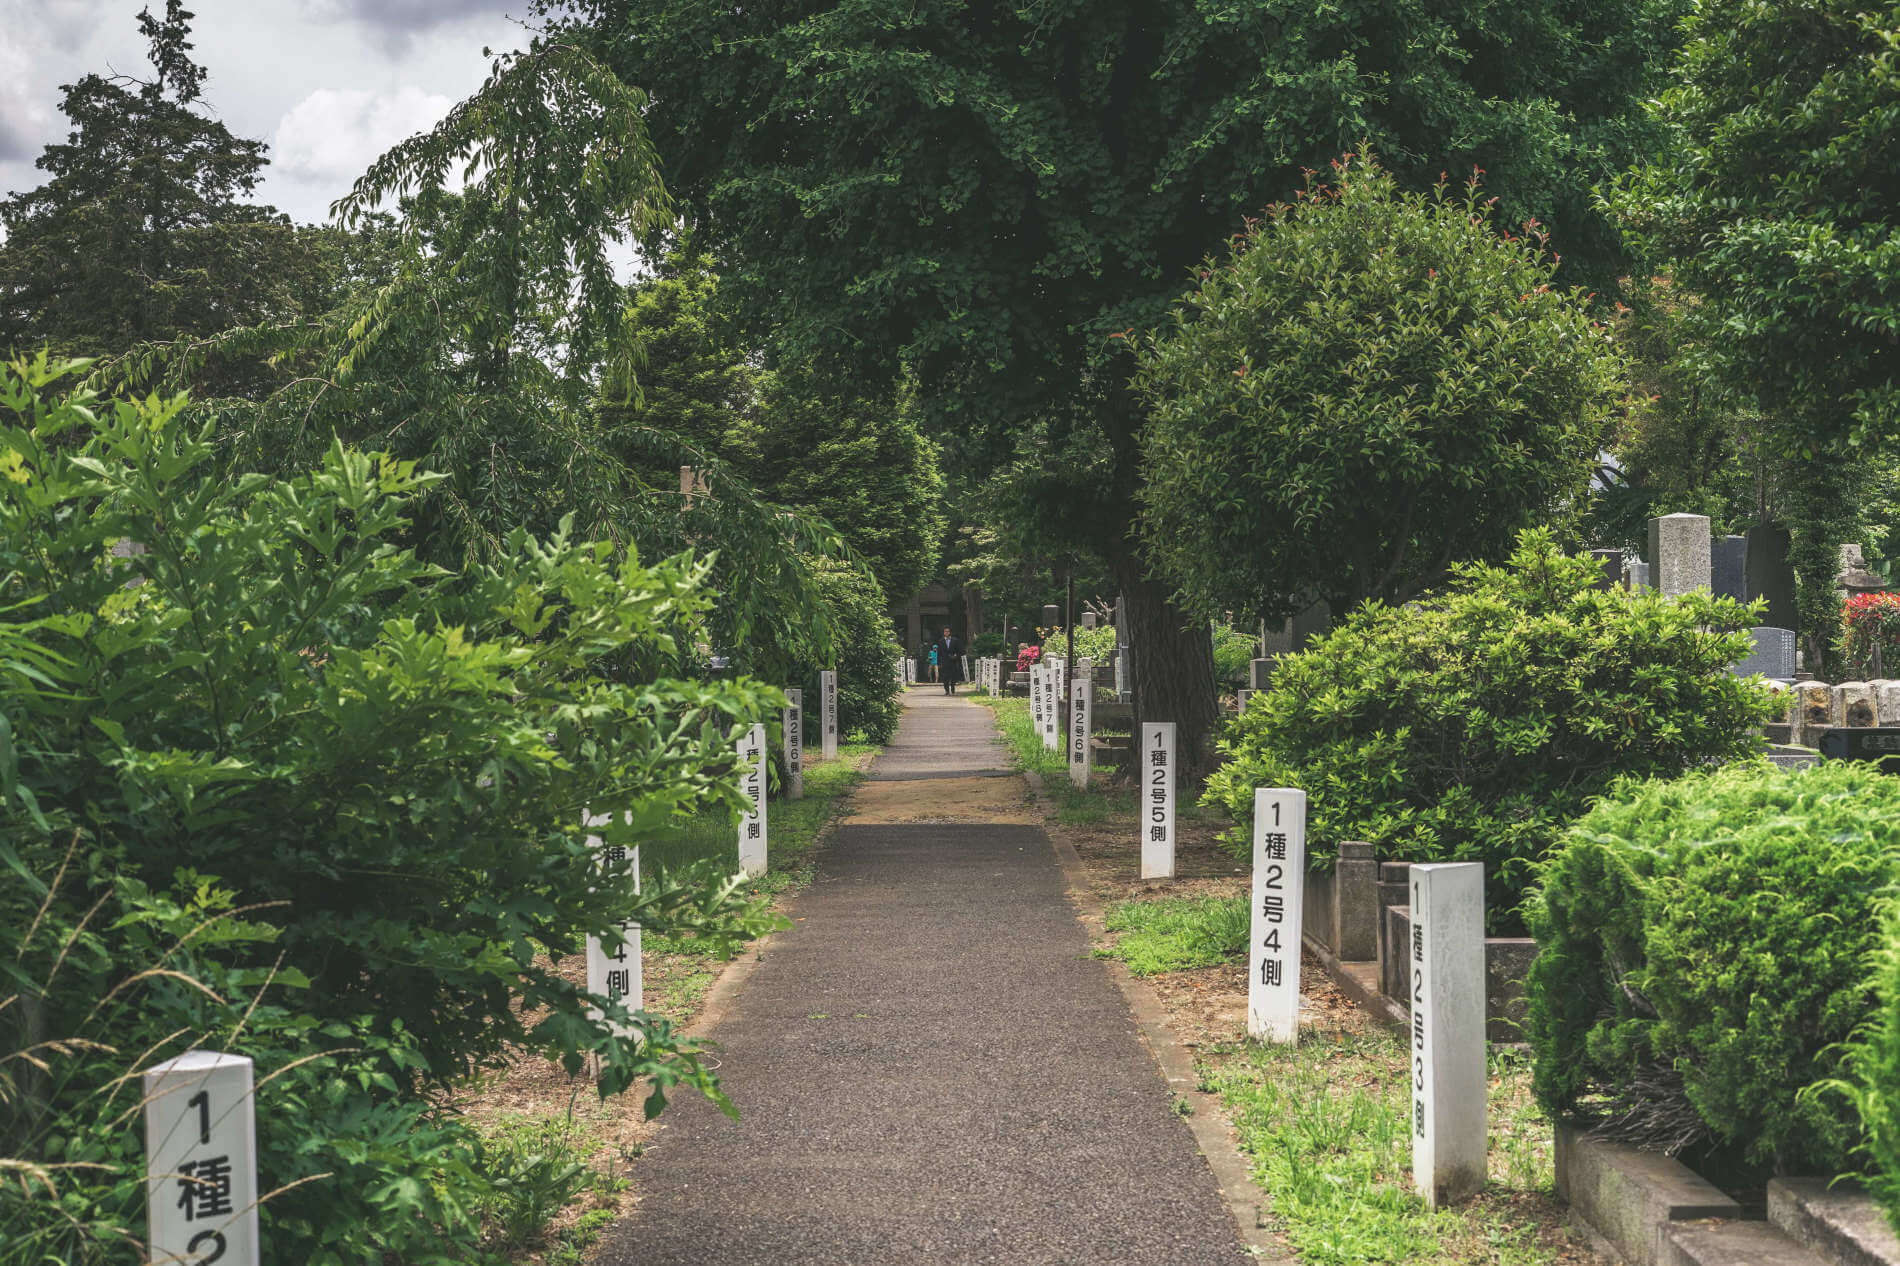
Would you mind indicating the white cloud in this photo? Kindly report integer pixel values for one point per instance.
(333, 134)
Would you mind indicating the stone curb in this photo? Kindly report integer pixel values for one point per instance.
(1207, 1118)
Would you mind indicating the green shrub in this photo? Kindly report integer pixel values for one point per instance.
(1474, 725)
(1234, 653)
(866, 650)
(1705, 946)
(985, 645)
(257, 678)
(1871, 1081)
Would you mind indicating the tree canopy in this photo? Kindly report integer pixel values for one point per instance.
(1370, 386)
(141, 230)
(983, 195)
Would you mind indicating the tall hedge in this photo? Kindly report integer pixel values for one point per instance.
(1476, 724)
(1706, 945)
(866, 653)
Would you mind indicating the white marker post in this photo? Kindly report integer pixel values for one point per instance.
(1279, 892)
(794, 726)
(752, 822)
(828, 713)
(1052, 696)
(1081, 723)
(966, 666)
(1035, 696)
(201, 1160)
(1157, 833)
(1448, 1108)
(616, 974)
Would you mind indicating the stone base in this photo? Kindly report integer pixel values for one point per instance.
(1839, 1222)
(1732, 1244)
(1507, 964)
(1632, 1198)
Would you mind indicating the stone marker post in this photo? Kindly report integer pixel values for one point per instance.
(1448, 1109)
(752, 822)
(1243, 695)
(1081, 722)
(828, 713)
(1728, 560)
(794, 737)
(616, 974)
(1279, 893)
(1157, 831)
(1035, 696)
(1258, 671)
(201, 1160)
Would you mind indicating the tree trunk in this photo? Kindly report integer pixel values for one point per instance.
(1171, 655)
(1172, 659)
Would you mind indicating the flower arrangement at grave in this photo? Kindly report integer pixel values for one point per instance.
(1873, 630)
(1026, 657)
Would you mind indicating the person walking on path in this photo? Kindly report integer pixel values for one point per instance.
(948, 652)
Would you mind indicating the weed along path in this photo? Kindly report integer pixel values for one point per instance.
(930, 1067)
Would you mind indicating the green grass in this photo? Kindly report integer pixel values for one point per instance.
(1097, 804)
(1325, 1126)
(1175, 933)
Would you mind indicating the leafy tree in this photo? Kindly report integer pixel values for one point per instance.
(860, 464)
(1371, 386)
(140, 232)
(686, 371)
(1775, 202)
(983, 194)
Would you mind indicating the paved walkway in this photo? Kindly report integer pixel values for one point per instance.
(929, 1068)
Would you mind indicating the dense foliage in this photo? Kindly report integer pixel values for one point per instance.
(1367, 357)
(1873, 631)
(143, 229)
(1476, 724)
(866, 657)
(1773, 201)
(1706, 946)
(982, 195)
(252, 683)
(1871, 1074)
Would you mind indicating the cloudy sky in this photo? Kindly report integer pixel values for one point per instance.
(329, 84)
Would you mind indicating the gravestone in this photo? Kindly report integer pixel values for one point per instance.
(1611, 560)
(1814, 705)
(828, 714)
(201, 1192)
(1679, 552)
(1636, 571)
(1773, 656)
(1279, 892)
(1244, 695)
(1767, 573)
(1088, 619)
(1728, 562)
(616, 972)
(1880, 744)
(1157, 834)
(1448, 1070)
(1081, 721)
(1887, 702)
(1051, 616)
(1258, 673)
(794, 727)
(752, 780)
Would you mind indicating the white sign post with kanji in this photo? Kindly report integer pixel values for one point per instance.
(1448, 1073)
(794, 726)
(1052, 707)
(614, 973)
(201, 1160)
(1279, 892)
(752, 778)
(1157, 810)
(1081, 722)
(828, 713)
(1035, 696)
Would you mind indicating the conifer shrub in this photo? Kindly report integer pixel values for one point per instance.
(1872, 1075)
(1476, 724)
(1706, 946)
(866, 651)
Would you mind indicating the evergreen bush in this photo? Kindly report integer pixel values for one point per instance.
(1705, 947)
(866, 651)
(1475, 724)
(1871, 1079)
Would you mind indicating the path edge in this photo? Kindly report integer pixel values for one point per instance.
(1207, 1120)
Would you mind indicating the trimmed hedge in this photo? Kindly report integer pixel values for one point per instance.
(1476, 724)
(1706, 945)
